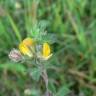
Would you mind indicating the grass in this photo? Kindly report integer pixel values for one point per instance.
(70, 27)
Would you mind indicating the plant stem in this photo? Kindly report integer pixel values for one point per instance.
(45, 77)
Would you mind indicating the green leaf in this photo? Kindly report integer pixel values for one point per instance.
(35, 73)
(3, 32)
(14, 26)
(63, 91)
(13, 67)
(93, 7)
(52, 87)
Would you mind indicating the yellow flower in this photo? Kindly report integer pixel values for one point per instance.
(25, 47)
(25, 50)
(46, 51)
(28, 42)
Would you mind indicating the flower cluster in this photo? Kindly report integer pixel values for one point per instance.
(29, 47)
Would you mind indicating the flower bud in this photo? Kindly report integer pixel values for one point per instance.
(15, 55)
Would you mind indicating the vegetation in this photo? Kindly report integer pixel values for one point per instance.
(68, 27)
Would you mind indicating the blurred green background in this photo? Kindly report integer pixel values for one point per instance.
(71, 31)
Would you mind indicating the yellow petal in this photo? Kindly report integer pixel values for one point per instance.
(28, 42)
(46, 58)
(46, 50)
(25, 50)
